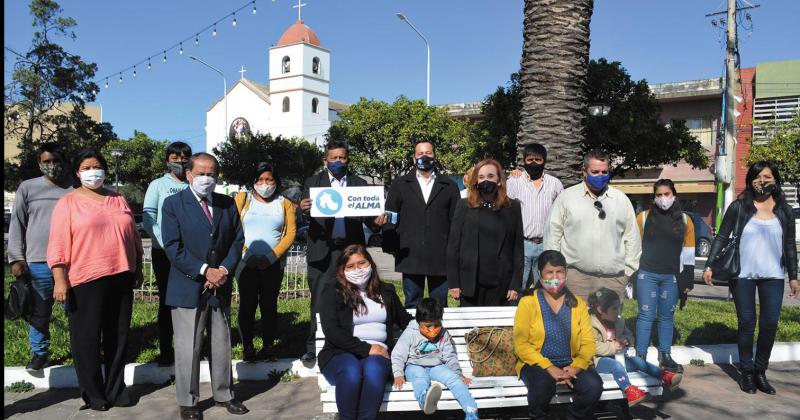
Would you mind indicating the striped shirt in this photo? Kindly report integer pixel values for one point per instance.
(536, 203)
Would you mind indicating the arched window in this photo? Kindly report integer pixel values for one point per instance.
(286, 104)
(315, 106)
(315, 65)
(286, 65)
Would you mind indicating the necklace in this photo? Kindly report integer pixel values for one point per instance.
(488, 204)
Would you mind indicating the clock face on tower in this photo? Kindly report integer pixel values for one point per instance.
(240, 129)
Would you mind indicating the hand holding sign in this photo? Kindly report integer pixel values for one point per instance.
(347, 202)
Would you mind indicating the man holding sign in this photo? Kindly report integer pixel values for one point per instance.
(336, 218)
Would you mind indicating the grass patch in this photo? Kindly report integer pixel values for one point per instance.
(697, 362)
(20, 386)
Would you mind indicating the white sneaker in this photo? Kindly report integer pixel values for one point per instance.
(432, 397)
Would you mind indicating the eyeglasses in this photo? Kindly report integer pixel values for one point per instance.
(599, 206)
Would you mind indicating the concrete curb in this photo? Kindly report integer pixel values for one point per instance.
(151, 373)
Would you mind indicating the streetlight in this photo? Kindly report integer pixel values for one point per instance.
(225, 93)
(599, 110)
(116, 153)
(403, 17)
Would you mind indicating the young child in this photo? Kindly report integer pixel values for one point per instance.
(426, 356)
(611, 336)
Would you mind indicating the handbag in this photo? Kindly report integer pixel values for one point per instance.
(727, 265)
(19, 303)
(491, 351)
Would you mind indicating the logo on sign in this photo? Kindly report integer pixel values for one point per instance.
(329, 202)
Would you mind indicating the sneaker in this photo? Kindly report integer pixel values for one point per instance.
(634, 395)
(670, 379)
(432, 398)
(38, 363)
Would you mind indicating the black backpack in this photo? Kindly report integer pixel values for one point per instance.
(19, 303)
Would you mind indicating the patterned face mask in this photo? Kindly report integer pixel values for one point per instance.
(430, 333)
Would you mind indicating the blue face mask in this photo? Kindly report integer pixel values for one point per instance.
(338, 169)
(598, 182)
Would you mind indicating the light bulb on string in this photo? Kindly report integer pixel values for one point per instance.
(106, 82)
(120, 77)
(234, 19)
(254, 7)
(165, 57)
(215, 30)
(197, 39)
(149, 66)
(181, 50)
(134, 72)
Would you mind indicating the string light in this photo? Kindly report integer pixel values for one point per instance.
(165, 56)
(120, 77)
(181, 50)
(215, 30)
(254, 7)
(234, 19)
(134, 72)
(197, 39)
(106, 81)
(149, 66)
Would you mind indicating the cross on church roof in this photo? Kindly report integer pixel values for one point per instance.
(299, 7)
(242, 71)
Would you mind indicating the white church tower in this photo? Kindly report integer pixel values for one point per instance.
(299, 79)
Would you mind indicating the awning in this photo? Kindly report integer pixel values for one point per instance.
(682, 187)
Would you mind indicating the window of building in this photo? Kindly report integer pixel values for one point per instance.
(315, 106)
(286, 104)
(315, 65)
(703, 129)
(286, 65)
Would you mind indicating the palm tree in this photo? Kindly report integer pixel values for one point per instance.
(555, 59)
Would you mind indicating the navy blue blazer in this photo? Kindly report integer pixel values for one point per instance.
(190, 241)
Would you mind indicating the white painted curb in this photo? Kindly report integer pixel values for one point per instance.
(151, 373)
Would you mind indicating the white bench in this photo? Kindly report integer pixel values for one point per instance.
(489, 392)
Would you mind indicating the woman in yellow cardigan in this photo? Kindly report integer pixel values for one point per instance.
(268, 220)
(554, 342)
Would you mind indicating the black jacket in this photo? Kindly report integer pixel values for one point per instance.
(337, 323)
(462, 248)
(420, 237)
(737, 209)
(320, 229)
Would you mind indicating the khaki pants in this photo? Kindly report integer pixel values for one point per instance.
(582, 284)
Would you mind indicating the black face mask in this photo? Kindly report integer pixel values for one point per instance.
(487, 187)
(534, 170)
(765, 189)
(425, 163)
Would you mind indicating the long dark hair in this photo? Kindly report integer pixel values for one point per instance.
(749, 194)
(556, 259)
(602, 298)
(266, 167)
(349, 292)
(675, 212)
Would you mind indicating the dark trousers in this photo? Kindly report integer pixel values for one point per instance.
(770, 296)
(320, 273)
(485, 296)
(161, 266)
(99, 315)
(259, 288)
(359, 384)
(414, 289)
(588, 387)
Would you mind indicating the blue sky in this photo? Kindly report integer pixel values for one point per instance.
(475, 45)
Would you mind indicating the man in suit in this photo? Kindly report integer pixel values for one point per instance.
(425, 202)
(203, 240)
(327, 237)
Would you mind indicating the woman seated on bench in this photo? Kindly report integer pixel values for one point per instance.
(358, 314)
(554, 341)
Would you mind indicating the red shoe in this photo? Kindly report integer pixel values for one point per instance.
(670, 379)
(634, 395)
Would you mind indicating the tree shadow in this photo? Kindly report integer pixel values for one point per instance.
(290, 335)
(713, 332)
(40, 400)
(732, 371)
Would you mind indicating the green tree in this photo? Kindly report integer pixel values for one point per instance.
(141, 160)
(781, 146)
(382, 136)
(500, 122)
(44, 100)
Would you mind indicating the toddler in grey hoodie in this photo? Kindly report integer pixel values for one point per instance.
(426, 356)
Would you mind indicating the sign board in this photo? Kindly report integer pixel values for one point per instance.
(346, 201)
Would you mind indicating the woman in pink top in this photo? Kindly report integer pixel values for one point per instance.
(96, 256)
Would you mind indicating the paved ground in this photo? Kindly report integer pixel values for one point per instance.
(708, 392)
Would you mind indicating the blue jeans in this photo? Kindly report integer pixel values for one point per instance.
(421, 377)
(414, 289)
(529, 267)
(657, 295)
(770, 296)
(612, 366)
(360, 384)
(39, 328)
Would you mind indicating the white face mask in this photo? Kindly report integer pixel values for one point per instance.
(664, 203)
(92, 178)
(359, 276)
(203, 185)
(265, 190)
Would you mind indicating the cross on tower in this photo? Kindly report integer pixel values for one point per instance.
(242, 71)
(299, 7)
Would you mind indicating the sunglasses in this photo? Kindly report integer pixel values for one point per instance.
(602, 213)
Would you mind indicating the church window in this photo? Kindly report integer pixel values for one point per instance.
(315, 65)
(286, 65)
(286, 104)
(315, 106)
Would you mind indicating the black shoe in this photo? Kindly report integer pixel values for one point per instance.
(104, 407)
(761, 382)
(233, 407)
(665, 362)
(308, 357)
(38, 363)
(747, 382)
(249, 355)
(166, 358)
(191, 413)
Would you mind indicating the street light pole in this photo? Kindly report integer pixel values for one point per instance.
(225, 93)
(403, 17)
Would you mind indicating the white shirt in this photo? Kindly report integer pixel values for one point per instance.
(536, 202)
(339, 231)
(371, 326)
(426, 185)
(210, 211)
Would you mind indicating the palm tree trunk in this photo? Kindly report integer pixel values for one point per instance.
(555, 60)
